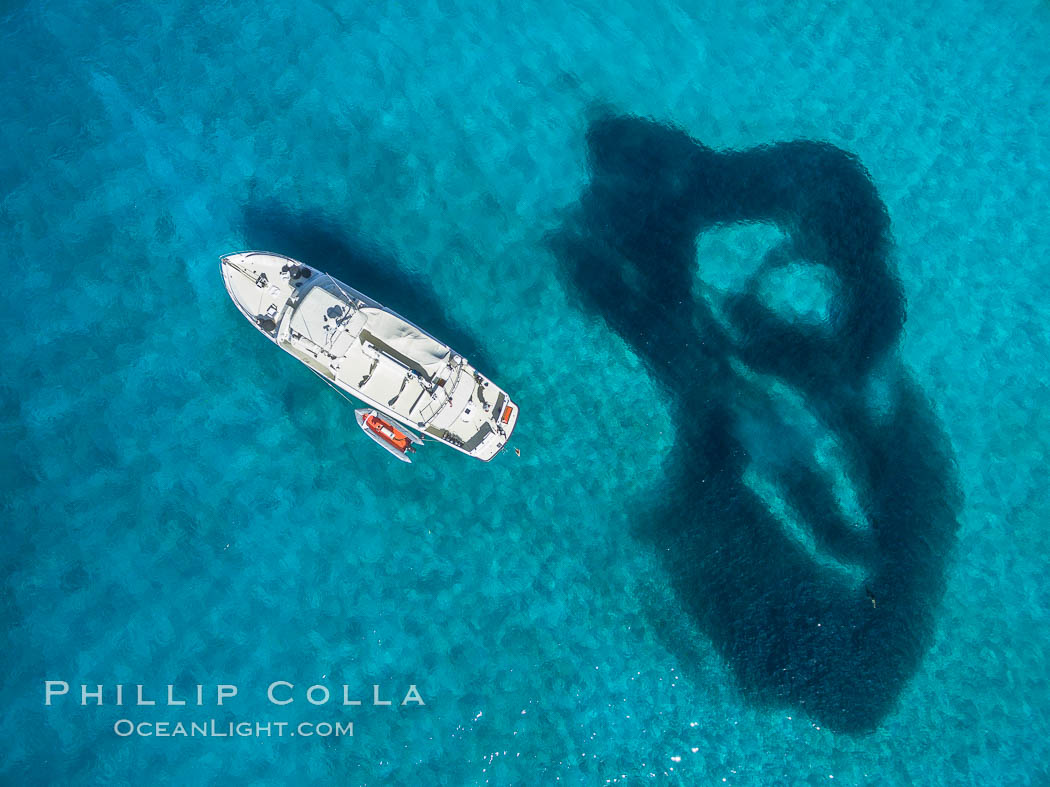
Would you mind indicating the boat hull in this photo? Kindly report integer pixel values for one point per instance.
(370, 352)
(366, 419)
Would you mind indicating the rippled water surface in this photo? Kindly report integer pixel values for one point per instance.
(766, 283)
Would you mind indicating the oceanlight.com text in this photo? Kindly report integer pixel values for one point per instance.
(245, 729)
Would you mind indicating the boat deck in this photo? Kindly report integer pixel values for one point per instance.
(371, 352)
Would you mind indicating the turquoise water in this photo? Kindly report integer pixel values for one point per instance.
(765, 283)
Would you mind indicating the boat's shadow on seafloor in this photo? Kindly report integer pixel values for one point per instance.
(792, 630)
(314, 238)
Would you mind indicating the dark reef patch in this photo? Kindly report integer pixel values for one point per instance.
(791, 629)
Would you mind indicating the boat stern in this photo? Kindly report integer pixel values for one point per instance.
(486, 430)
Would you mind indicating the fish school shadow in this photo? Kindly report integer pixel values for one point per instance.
(790, 629)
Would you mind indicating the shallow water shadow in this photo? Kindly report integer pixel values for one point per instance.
(791, 628)
(315, 239)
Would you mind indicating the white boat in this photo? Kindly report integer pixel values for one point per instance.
(387, 434)
(370, 352)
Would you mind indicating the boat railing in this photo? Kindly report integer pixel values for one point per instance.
(446, 391)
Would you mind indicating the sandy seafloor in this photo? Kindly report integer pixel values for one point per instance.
(184, 504)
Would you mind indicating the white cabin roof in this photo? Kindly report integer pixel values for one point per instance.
(327, 320)
(406, 340)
